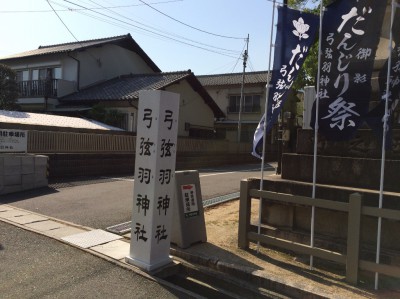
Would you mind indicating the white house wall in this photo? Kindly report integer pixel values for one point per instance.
(221, 97)
(107, 62)
(193, 109)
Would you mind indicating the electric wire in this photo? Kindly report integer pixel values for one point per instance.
(65, 25)
(60, 10)
(149, 31)
(165, 32)
(187, 25)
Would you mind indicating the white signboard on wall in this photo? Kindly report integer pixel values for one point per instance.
(12, 141)
(154, 185)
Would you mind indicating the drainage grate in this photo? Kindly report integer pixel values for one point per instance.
(120, 229)
(220, 199)
(124, 228)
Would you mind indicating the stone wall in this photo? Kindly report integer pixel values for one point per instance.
(20, 172)
(364, 145)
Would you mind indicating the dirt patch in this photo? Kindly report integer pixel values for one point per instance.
(222, 235)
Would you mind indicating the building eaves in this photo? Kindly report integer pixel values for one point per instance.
(125, 41)
(126, 88)
(233, 79)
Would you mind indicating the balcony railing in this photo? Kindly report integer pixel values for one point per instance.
(245, 109)
(38, 88)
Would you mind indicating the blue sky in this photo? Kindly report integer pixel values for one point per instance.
(27, 24)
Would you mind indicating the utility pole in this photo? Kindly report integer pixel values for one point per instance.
(245, 56)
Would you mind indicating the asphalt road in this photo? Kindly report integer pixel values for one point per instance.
(103, 203)
(35, 266)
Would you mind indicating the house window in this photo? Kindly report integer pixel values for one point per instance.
(46, 73)
(56, 73)
(251, 103)
(124, 122)
(22, 75)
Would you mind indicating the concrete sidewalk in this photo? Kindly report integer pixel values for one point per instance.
(220, 252)
(35, 264)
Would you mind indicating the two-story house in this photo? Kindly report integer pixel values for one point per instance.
(72, 77)
(226, 89)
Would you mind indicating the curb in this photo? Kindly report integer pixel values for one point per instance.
(116, 262)
(248, 274)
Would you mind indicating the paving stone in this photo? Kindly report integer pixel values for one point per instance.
(12, 213)
(91, 238)
(4, 208)
(64, 231)
(28, 219)
(45, 225)
(116, 249)
(128, 235)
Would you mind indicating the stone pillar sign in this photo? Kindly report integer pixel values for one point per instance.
(154, 186)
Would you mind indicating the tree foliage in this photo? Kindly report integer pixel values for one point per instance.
(8, 88)
(110, 117)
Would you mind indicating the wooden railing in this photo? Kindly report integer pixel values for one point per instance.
(250, 189)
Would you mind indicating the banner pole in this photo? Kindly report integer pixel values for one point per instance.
(265, 121)
(385, 123)
(321, 13)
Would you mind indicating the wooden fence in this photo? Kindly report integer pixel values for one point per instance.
(70, 142)
(250, 189)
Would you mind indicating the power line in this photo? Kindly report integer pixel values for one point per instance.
(62, 21)
(65, 25)
(120, 15)
(47, 11)
(164, 14)
(146, 30)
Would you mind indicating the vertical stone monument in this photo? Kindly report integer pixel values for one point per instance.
(154, 185)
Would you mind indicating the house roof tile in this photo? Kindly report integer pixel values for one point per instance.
(126, 88)
(125, 41)
(233, 79)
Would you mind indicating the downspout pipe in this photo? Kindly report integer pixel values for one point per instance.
(79, 70)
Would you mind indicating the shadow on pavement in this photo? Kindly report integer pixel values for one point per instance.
(15, 197)
(205, 253)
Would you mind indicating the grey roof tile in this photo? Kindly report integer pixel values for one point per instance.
(126, 88)
(233, 79)
(123, 40)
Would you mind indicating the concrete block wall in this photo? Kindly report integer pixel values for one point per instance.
(22, 172)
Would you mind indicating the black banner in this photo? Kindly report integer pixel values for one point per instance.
(350, 37)
(375, 118)
(296, 33)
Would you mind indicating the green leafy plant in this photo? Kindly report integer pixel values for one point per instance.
(8, 88)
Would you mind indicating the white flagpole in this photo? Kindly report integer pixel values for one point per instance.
(321, 13)
(385, 123)
(265, 121)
